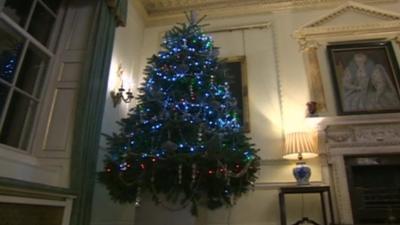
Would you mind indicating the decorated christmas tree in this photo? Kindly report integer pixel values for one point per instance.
(183, 142)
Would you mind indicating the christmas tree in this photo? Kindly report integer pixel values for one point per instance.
(183, 142)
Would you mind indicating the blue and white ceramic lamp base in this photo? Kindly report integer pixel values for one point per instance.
(302, 173)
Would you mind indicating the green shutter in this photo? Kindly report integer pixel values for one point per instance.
(90, 109)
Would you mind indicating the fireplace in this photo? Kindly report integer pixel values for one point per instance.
(362, 167)
(374, 187)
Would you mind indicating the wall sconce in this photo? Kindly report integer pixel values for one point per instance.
(121, 94)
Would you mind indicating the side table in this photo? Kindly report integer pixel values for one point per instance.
(307, 190)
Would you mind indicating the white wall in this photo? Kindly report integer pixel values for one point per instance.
(127, 49)
(278, 93)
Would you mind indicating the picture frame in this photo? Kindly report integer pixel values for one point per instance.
(365, 77)
(237, 69)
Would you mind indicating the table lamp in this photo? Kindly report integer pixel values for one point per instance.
(300, 145)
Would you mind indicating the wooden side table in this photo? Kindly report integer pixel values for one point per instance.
(307, 190)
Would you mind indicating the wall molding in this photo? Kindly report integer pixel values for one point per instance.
(278, 78)
(161, 12)
(319, 30)
(264, 25)
(9, 186)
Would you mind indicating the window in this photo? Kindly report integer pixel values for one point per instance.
(27, 29)
(236, 68)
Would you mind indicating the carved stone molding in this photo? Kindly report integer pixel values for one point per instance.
(342, 197)
(306, 45)
(339, 134)
(157, 12)
(154, 7)
(363, 135)
(385, 134)
(320, 29)
(355, 7)
(364, 31)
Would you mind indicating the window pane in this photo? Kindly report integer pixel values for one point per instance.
(18, 10)
(19, 120)
(53, 4)
(4, 90)
(10, 49)
(34, 67)
(41, 24)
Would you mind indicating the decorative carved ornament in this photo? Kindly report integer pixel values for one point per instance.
(381, 134)
(159, 6)
(157, 12)
(387, 25)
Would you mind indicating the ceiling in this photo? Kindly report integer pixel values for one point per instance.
(163, 6)
(158, 12)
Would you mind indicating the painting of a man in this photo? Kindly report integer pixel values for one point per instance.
(366, 79)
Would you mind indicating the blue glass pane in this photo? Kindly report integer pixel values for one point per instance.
(10, 49)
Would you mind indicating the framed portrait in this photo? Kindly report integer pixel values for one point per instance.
(365, 77)
(236, 69)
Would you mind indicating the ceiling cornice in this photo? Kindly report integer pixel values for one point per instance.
(163, 12)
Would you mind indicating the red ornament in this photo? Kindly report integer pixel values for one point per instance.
(142, 166)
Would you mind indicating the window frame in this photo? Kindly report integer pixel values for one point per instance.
(50, 52)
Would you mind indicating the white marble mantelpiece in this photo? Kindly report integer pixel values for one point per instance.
(342, 136)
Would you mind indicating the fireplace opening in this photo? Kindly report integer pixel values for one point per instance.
(374, 186)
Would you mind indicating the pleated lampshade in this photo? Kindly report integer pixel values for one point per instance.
(299, 144)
